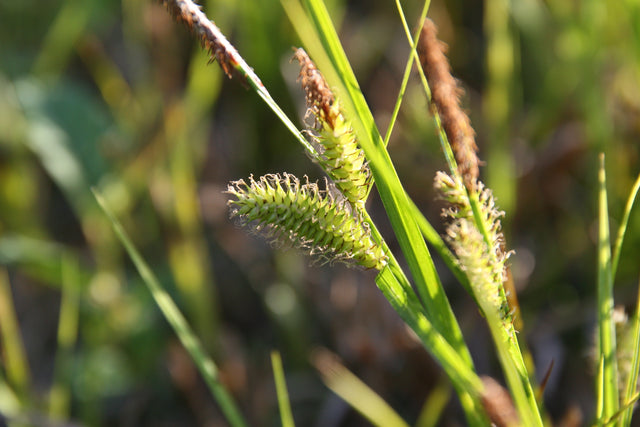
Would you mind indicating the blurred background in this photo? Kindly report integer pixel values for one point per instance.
(118, 96)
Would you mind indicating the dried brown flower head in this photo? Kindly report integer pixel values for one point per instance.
(317, 93)
(211, 38)
(445, 100)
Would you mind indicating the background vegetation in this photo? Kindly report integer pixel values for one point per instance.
(116, 95)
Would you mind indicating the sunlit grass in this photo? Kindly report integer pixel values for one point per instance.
(118, 97)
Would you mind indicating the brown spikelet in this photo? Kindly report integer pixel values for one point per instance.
(445, 100)
(318, 95)
(210, 36)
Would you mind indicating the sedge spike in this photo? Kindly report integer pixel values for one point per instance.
(484, 263)
(339, 154)
(303, 215)
(445, 101)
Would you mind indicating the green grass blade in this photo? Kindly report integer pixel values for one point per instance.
(10, 406)
(355, 392)
(514, 371)
(407, 69)
(61, 39)
(59, 395)
(623, 228)
(617, 417)
(441, 247)
(464, 379)
(434, 405)
(599, 390)
(606, 327)
(15, 358)
(170, 311)
(286, 416)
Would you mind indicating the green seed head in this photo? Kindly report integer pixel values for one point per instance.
(305, 216)
(482, 259)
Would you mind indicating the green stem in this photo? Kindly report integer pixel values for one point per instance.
(623, 228)
(407, 69)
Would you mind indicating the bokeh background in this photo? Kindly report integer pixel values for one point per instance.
(116, 95)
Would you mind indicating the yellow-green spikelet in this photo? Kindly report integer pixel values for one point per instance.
(483, 262)
(305, 216)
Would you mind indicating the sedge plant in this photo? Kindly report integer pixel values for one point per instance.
(329, 219)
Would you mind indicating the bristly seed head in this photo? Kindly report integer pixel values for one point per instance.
(445, 100)
(339, 154)
(305, 216)
(482, 261)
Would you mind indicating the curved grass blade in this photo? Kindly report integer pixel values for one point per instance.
(16, 366)
(623, 228)
(324, 46)
(170, 311)
(407, 70)
(434, 405)
(355, 392)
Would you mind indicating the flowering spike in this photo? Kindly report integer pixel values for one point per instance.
(305, 216)
(339, 154)
(484, 263)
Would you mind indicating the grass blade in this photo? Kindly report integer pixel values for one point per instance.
(434, 405)
(467, 384)
(623, 228)
(59, 396)
(286, 416)
(206, 366)
(408, 67)
(606, 332)
(355, 392)
(15, 358)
